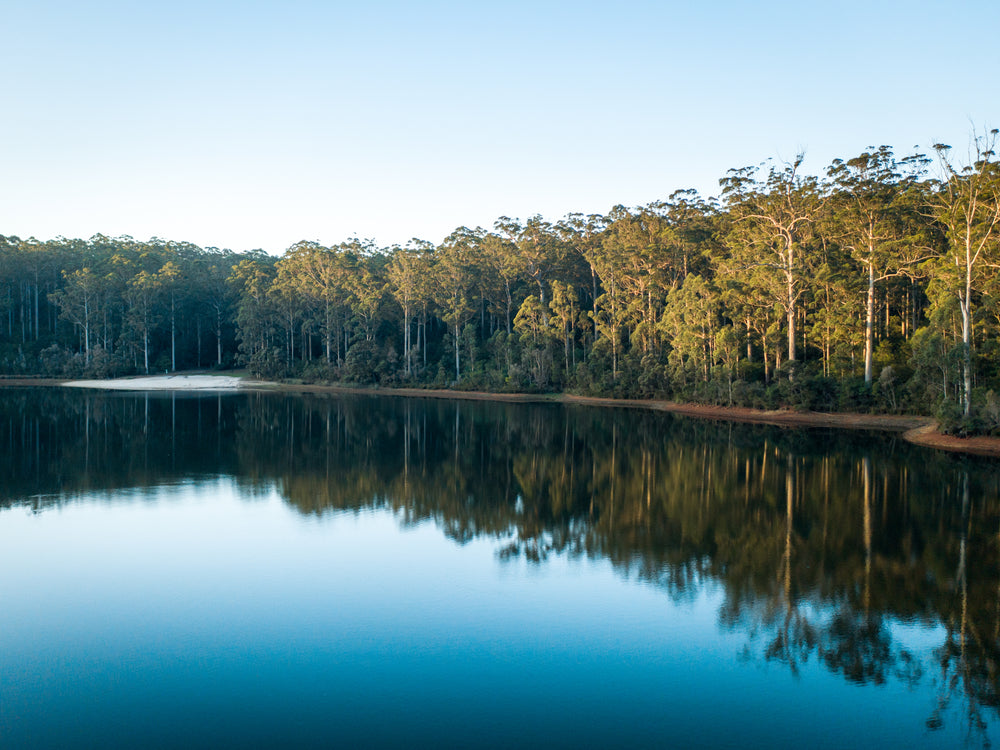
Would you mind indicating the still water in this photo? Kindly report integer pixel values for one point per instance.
(258, 570)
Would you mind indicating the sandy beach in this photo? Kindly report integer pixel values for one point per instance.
(163, 383)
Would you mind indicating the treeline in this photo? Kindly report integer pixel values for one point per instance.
(872, 287)
(107, 307)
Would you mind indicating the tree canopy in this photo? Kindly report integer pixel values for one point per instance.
(870, 287)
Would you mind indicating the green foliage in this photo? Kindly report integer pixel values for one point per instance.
(268, 364)
(853, 291)
(361, 363)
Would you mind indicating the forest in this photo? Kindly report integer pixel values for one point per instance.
(871, 287)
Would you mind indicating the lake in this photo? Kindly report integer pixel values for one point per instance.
(263, 569)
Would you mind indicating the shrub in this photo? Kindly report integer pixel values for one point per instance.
(360, 363)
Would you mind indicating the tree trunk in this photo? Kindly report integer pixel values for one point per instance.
(218, 335)
(869, 324)
(510, 303)
(966, 352)
(791, 306)
(173, 335)
(86, 331)
(406, 335)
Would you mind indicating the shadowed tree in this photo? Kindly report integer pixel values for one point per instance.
(77, 302)
(167, 279)
(252, 278)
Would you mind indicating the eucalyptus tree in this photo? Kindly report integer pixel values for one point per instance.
(8, 274)
(535, 333)
(251, 278)
(836, 287)
(12, 292)
(365, 283)
(530, 321)
(565, 313)
(455, 283)
(142, 315)
(197, 305)
(217, 265)
(325, 277)
(967, 205)
(33, 257)
(689, 234)
(875, 222)
(127, 262)
(28, 273)
(286, 299)
(583, 235)
(770, 218)
(541, 254)
(425, 295)
(611, 307)
(636, 238)
(168, 279)
(78, 302)
(406, 269)
(691, 322)
(500, 259)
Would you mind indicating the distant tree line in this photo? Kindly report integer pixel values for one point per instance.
(872, 287)
(114, 306)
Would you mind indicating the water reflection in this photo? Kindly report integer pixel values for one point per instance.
(825, 544)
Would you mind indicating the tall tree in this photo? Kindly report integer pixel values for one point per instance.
(564, 306)
(500, 256)
(78, 301)
(635, 238)
(540, 252)
(252, 278)
(770, 218)
(405, 271)
(218, 292)
(168, 278)
(967, 205)
(455, 280)
(143, 290)
(875, 223)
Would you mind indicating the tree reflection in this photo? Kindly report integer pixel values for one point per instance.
(823, 543)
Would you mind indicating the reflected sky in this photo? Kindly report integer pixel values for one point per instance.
(200, 615)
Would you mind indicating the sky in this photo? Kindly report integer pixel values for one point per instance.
(247, 125)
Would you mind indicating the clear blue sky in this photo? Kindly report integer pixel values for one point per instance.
(258, 124)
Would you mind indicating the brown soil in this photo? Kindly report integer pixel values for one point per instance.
(928, 436)
(28, 382)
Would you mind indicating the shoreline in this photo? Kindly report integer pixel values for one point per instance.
(920, 431)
